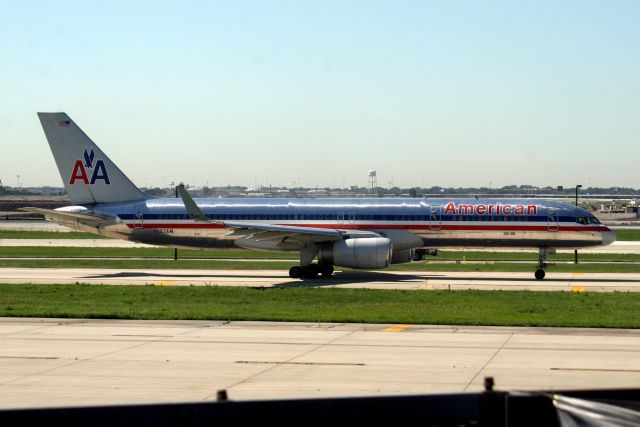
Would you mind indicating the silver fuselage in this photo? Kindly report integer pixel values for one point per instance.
(408, 222)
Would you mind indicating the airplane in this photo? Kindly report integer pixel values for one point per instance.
(358, 233)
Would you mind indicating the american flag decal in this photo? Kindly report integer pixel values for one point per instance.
(64, 123)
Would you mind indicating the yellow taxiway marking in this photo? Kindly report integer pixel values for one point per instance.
(165, 283)
(397, 328)
(578, 289)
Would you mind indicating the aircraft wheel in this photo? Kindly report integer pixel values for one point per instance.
(295, 272)
(326, 270)
(539, 274)
(311, 271)
(417, 256)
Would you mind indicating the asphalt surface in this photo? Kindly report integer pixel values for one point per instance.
(414, 280)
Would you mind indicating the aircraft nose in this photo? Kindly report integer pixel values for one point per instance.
(608, 237)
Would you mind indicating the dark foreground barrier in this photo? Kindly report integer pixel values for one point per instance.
(490, 408)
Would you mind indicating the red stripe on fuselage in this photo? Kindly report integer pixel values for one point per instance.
(452, 227)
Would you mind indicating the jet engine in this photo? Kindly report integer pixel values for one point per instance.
(373, 252)
(400, 257)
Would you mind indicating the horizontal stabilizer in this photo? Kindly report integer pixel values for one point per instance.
(94, 220)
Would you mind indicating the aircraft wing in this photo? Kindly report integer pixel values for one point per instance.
(95, 220)
(267, 232)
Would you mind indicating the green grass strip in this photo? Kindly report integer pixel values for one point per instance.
(167, 253)
(512, 308)
(531, 255)
(10, 234)
(626, 234)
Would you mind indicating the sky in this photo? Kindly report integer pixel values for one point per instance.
(427, 93)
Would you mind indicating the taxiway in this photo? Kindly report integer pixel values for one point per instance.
(406, 280)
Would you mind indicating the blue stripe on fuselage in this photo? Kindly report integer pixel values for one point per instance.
(417, 210)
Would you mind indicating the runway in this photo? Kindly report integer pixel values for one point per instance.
(413, 280)
(67, 362)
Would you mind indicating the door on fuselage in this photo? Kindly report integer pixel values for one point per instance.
(552, 220)
(138, 217)
(435, 218)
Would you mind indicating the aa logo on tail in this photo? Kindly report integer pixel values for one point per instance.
(81, 169)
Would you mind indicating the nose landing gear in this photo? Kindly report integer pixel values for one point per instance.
(542, 261)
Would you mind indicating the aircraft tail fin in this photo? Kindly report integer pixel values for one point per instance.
(88, 174)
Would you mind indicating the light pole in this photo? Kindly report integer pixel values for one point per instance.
(577, 186)
(575, 252)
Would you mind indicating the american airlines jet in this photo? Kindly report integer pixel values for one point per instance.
(355, 233)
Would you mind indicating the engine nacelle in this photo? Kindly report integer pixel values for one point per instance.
(374, 252)
(400, 257)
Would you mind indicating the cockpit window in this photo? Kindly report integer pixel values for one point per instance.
(587, 220)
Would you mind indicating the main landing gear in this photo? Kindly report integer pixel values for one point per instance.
(419, 254)
(542, 261)
(310, 271)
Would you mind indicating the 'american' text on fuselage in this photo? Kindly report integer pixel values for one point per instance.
(490, 209)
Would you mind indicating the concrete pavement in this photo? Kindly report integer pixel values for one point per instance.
(69, 362)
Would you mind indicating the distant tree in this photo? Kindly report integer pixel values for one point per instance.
(155, 191)
(18, 192)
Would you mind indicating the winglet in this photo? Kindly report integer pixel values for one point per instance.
(192, 209)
